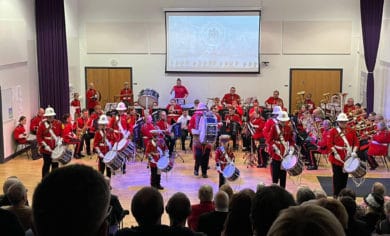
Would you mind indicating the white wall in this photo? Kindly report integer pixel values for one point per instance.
(21, 70)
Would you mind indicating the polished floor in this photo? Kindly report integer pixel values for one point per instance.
(180, 178)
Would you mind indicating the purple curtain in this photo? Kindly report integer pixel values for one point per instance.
(52, 55)
(371, 17)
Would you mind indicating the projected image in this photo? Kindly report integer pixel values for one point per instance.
(212, 41)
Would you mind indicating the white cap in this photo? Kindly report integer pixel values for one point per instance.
(103, 120)
(342, 117)
(283, 116)
(121, 107)
(276, 110)
(49, 111)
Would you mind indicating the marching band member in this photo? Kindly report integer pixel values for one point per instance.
(343, 144)
(68, 137)
(92, 98)
(258, 123)
(166, 128)
(184, 119)
(174, 111)
(77, 105)
(36, 120)
(132, 118)
(154, 149)
(349, 107)
(82, 126)
(281, 142)
(214, 109)
(181, 92)
(126, 95)
(103, 141)
(271, 121)
(309, 103)
(274, 100)
(20, 137)
(223, 155)
(230, 97)
(48, 137)
(379, 144)
(233, 125)
(201, 151)
(146, 128)
(320, 143)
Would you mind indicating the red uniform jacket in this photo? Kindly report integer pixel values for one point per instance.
(196, 211)
(91, 100)
(115, 126)
(234, 117)
(275, 139)
(258, 124)
(221, 158)
(323, 142)
(229, 98)
(163, 125)
(44, 136)
(151, 150)
(100, 142)
(194, 122)
(174, 112)
(335, 140)
(67, 133)
(131, 120)
(76, 103)
(268, 125)
(127, 95)
(20, 134)
(93, 119)
(34, 124)
(253, 109)
(379, 144)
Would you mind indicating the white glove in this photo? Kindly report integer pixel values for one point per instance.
(353, 155)
(349, 151)
(337, 156)
(219, 169)
(291, 151)
(47, 148)
(101, 155)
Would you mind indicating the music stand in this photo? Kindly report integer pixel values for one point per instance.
(250, 158)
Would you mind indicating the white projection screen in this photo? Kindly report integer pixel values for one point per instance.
(213, 41)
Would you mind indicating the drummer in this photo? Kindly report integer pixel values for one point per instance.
(166, 128)
(68, 136)
(103, 141)
(152, 152)
(174, 111)
(119, 122)
(223, 155)
(180, 92)
(343, 143)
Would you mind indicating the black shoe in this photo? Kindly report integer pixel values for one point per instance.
(373, 167)
(88, 153)
(312, 168)
(80, 155)
(76, 156)
(262, 166)
(196, 173)
(205, 176)
(160, 187)
(124, 171)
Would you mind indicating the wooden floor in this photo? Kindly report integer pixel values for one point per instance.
(180, 178)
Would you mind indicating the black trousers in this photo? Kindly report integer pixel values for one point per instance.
(155, 178)
(202, 155)
(47, 163)
(102, 166)
(222, 180)
(262, 155)
(278, 174)
(86, 138)
(184, 134)
(339, 179)
(170, 142)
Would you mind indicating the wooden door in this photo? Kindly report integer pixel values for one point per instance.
(315, 81)
(108, 81)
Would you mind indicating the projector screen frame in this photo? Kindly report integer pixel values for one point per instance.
(211, 72)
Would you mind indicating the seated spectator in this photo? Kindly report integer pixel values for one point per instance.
(304, 194)
(4, 201)
(336, 208)
(374, 211)
(205, 195)
(17, 195)
(147, 208)
(238, 220)
(9, 224)
(249, 192)
(72, 200)
(178, 209)
(355, 226)
(227, 189)
(20, 137)
(346, 192)
(319, 193)
(268, 202)
(306, 220)
(384, 225)
(380, 189)
(211, 223)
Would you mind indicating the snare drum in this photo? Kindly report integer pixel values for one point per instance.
(126, 149)
(355, 167)
(147, 97)
(292, 164)
(113, 160)
(230, 172)
(165, 164)
(62, 154)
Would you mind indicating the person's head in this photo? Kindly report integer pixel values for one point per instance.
(375, 202)
(268, 202)
(232, 90)
(221, 200)
(11, 180)
(346, 192)
(342, 120)
(76, 95)
(196, 103)
(147, 206)
(149, 119)
(85, 113)
(91, 86)
(378, 188)
(249, 192)
(349, 205)
(178, 82)
(319, 193)
(276, 94)
(49, 113)
(306, 220)
(304, 194)
(66, 118)
(336, 208)
(163, 115)
(255, 103)
(283, 118)
(308, 96)
(238, 219)
(75, 194)
(17, 194)
(326, 124)
(227, 189)
(318, 113)
(126, 85)
(350, 102)
(381, 126)
(22, 120)
(41, 112)
(205, 193)
(98, 109)
(178, 209)
(172, 102)
(371, 116)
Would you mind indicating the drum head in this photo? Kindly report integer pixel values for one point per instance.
(58, 152)
(228, 171)
(122, 144)
(163, 162)
(109, 156)
(351, 164)
(289, 161)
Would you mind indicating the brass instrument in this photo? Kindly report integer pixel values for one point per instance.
(342, 100)
(82, 131)
(301, 100)
(326, 97)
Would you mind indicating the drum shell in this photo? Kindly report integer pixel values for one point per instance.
(231, 172)
(113, 160)
(355, 167)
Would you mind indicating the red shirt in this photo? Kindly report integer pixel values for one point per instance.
(44, 136)
(323, 142)
(19, 134)
(274, 101)
(127, 95)
(379, 144)
(348, 109)
(174, 112)
(253, 109)
(91, 100)
(145, 131)
(34, 123)
(258, 124)
(275, 139)
(152, 151)
(221, 158)
(180, 91)
(196, 211)
(335, 140)
(229, 98)
(76, 103)
(67, 133)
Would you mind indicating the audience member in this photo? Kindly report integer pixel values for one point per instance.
(227, 189)
(238, 220)
(384, 225)
(17, 195)
(319, 193)
(346, 192)
(72, 200)
(374, 211)
(211, 223)
(355, 226)
(9, 224)
(268, 202)
(205, 195)
(147, 207)
(380, 189)
(4, 201)
(304, 194)
(336, 208)
(306, 220)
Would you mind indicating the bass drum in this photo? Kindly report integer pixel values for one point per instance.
(292, 164)
(208, 128)
(147, 97)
